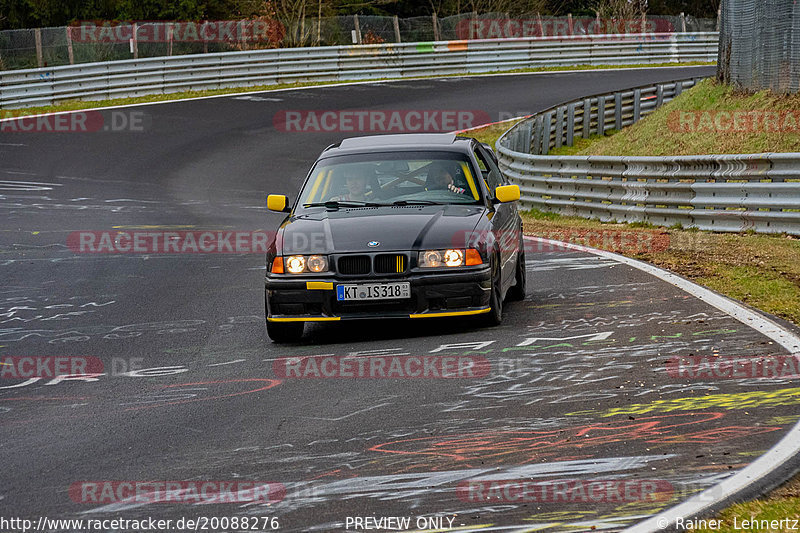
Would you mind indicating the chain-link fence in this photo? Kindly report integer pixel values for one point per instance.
(91, 41)
(760, 44)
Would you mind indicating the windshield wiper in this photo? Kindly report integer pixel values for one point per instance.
(417, 202)
(336, 204)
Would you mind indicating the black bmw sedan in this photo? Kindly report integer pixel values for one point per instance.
(396, 226)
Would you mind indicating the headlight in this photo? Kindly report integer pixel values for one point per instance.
(441, 258)
(453, 258)
(317, 263)
(295, 264)
(299, 264)
(430, 258)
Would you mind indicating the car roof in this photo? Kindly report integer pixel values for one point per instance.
(400, 142)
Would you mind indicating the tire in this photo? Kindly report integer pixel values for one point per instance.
(495, 316)
(517, 292)
(285, 331)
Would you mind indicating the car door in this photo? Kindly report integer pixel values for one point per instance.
(505, 216)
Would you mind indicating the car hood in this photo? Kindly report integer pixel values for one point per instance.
(393, 228)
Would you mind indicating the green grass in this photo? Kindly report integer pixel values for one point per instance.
(74, 105)
(578, 145)
(677, 137)
(784, 503)
(489, 134)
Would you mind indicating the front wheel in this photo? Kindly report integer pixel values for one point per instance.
(495, 315)
(285, 331)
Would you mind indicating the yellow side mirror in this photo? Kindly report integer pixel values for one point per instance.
(277, 202)
(507, 193)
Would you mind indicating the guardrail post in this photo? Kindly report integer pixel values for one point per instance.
(70, 52)
(637, 105)
(396, 24)
(559, 140)
(536, 145)
(587, 118)
(547, 127)
(169, 38)
(240, 40)
(678, 89)
(659, 95)
(473, 18)
(37, 37)
(358, 29)
(524, 142)
(135, 41)
(618, 111)
(601, 115)
(570, 124)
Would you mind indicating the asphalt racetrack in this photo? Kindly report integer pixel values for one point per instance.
(578, 389)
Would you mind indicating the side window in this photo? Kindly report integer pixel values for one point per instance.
(491, 173)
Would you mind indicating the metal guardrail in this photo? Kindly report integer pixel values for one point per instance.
(120, 79)
(759, 192)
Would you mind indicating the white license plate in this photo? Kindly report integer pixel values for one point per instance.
(373, 291)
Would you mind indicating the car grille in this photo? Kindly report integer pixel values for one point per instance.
(354, 265)
(379, 264)
(390, 264)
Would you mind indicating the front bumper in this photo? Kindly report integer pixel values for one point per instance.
(433, 294)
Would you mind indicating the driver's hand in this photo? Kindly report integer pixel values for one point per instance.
(457, 190)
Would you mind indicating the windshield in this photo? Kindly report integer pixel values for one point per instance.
(406, 178)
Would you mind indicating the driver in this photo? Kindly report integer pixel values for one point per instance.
(440, 178)
(356, 184)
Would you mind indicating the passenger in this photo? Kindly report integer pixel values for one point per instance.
(440, 178)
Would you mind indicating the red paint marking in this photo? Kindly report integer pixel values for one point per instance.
(270, 383)
(326, 474)
(535, 445)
